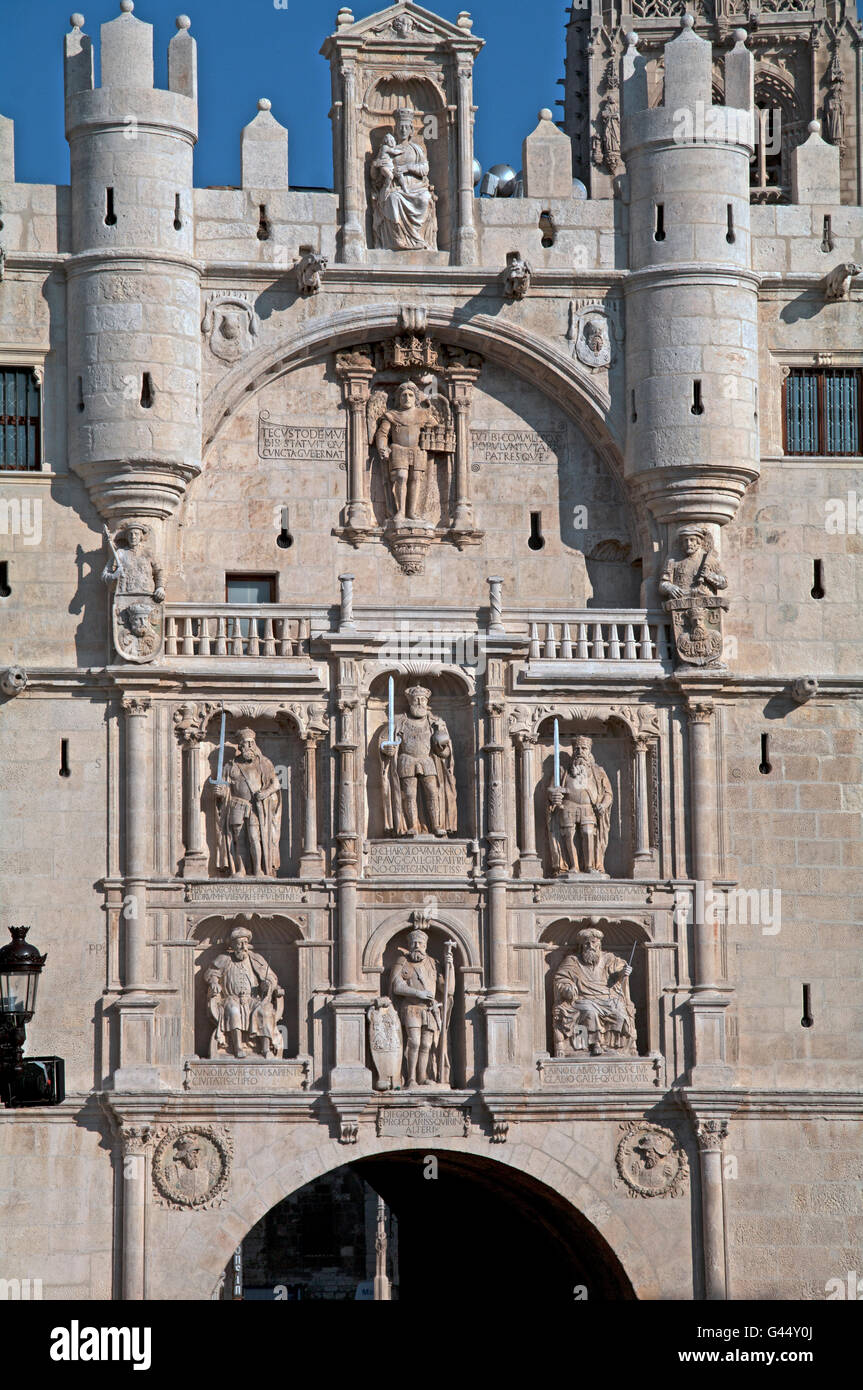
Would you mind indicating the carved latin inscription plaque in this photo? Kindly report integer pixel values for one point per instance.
(422, 1122)
(285, 439)
(291, 1075)
(516, 446)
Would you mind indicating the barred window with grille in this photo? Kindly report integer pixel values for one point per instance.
(20, 420)
(822, 411)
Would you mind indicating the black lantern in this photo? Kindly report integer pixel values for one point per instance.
(20, 968)
(39, 1081)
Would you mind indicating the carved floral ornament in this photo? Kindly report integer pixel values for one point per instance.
(651, 1162)
(192, 1166)
(192, 721)
(641, 721)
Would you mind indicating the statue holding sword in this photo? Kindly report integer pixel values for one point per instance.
(415, 983)
(248, 811)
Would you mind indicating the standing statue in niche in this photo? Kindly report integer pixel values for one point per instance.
(403, 200)
(137, 615)
(404, 436)
(578, 815)
(415, 984)
(592, 1008)
(690, 585)
(418, 753)
(834, 105)
(245, 1001)
(606, 142)
(248, 812)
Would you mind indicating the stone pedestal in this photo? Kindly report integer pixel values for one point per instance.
(350, 1072)
(502, 1072)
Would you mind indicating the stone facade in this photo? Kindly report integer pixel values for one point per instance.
(517, 741)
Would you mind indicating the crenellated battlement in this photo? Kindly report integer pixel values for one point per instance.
(127, 97)
(688, 113)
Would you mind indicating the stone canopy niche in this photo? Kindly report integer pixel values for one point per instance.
(403, 135)
(419, 822)
(408, 402)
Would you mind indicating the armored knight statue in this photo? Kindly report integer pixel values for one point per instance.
(137, 614)
(245, 1001)
(423, 996)
(578, 815)
(592, 1010)
(419, 754)
(398, 437)
(690, 586)
(249, 812)
(403, 200)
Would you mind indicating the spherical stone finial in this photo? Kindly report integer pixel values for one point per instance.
(814, 127)
(77, 21)
(464, 20)
(183, 21)
(545, 114)
(264, 104)
(127, 6)
(687, 21)
(739, 36)
(344, 18)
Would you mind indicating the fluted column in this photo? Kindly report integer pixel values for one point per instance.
(355, 371)
(642, 854)
(529, 864)
(461, 398)
(195, 856)
(311, 862)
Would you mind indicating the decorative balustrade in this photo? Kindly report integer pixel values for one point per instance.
(611, 637)
(608, 637)
(234, 630)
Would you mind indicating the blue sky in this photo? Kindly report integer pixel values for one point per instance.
(249, 49)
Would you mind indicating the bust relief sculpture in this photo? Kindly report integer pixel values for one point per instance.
(403, 200)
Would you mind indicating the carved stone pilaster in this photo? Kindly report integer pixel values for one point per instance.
(190, 725)
(312, 859)
(529, 862)
(355, 371)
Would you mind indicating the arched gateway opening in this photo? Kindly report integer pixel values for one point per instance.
(437, 1226)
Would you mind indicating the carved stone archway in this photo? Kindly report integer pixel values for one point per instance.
(280, 1165)
(533, 358)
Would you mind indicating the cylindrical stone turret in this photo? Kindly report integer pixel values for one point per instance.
(133, 286)
(691, 297)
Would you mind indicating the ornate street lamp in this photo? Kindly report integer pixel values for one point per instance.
(39, 1080)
